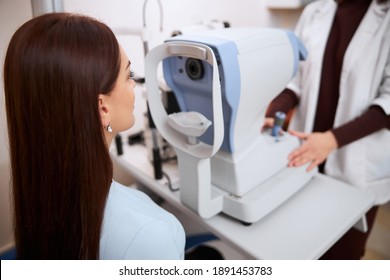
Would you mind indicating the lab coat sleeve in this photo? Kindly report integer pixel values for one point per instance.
(383, 99)
(155, 241)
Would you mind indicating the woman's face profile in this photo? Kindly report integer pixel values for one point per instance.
(122, 97)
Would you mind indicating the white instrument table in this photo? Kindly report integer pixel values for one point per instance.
(302, 228)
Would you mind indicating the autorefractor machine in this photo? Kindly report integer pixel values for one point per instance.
(223, 81)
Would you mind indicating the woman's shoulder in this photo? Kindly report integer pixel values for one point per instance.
(132, 220)
(129, 201)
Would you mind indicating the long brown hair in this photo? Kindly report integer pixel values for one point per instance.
(55, 67)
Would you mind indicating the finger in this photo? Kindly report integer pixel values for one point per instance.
(299, 160)
(268, 123)
(300, 135)
(298, 163)
(313, 165)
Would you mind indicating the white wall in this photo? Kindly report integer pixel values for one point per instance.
(177, 14)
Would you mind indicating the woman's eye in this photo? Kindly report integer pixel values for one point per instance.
(131, 74)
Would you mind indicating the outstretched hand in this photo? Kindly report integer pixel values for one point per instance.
(315, 148)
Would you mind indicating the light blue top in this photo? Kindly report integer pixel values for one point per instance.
(135, 227)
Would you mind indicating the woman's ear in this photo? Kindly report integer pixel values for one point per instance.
(103, 110)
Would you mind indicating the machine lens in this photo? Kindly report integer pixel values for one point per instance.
(194, 69)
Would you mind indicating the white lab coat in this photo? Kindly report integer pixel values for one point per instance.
(364, 81)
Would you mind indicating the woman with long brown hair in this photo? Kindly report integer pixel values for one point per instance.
(68, 91)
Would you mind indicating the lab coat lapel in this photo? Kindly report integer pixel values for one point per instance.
(363, 35)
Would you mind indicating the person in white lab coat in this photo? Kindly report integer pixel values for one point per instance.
(341, 94)
(69, 90)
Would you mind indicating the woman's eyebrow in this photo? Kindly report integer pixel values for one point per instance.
(128, 64)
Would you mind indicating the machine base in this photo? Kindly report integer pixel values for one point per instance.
(263, 199)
